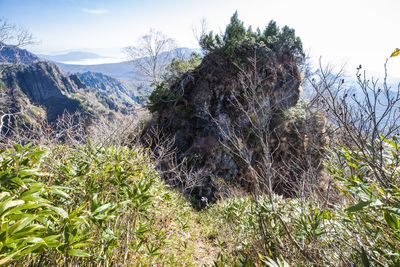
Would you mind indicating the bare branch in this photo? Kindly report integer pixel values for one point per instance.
(201, 30)
(152, 54)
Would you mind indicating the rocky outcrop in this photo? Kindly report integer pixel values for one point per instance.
(213, 99)
(42, 81)
(300, 141)
(43, 84)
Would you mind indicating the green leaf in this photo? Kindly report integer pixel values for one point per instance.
(78, 253)
(103, 207)
(358, 206)
(17, 148)
(391, 220)
(4, 195)
(39, 153)
(393, 210)
(59, 211)
(21, 224)
(9, 204)
(393, 144)
(30, 172)
(36, 187)
(364, 258)
(52, 241)
(57, 190)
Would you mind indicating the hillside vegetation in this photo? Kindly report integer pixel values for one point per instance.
(107, 206)
(103, 205)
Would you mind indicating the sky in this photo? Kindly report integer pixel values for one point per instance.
(350, 32)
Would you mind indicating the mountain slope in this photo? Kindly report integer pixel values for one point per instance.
(43, 88)
(108, 86)
(43, 83)
(123, 71)
(14, 55)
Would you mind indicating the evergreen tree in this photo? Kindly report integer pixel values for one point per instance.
(237, 37)
(235, 31)
(271, 34)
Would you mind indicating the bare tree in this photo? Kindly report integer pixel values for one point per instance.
(178, 174)
(152, 54)
(363, 116)
(12, 35)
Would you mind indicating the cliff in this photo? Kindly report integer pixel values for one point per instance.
(40, 91)
(43, 84)
(108, 86)
(227, 117)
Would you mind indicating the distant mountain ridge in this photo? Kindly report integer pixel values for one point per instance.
(123, 71)
(126, 70)
(13, 55)
(70, 56)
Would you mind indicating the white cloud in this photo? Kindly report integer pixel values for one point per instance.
(95, 11)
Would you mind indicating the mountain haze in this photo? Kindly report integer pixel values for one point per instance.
(126, 70)
(70, 56)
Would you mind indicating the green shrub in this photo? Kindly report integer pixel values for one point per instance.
(178, 67)
(372, 215)
(237, 37)
(161, 95)
(362, 228)
(90, 205)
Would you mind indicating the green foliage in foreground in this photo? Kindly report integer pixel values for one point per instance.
(87, 205)
(373, 209)
(106, 206)
(361, 229)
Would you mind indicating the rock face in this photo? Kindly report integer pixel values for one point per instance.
(203, 105)
(44, 84)
(44, 80)
(108, 86)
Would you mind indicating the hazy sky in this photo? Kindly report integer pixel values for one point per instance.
(352, 31)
